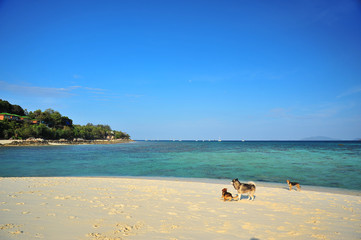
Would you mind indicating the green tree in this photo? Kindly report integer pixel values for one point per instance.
(52, 126)
(6, 107)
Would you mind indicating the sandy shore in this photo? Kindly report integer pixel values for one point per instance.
(124, 208)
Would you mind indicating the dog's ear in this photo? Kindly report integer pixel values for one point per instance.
(236, 179)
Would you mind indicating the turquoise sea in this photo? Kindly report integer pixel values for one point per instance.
(327, 164)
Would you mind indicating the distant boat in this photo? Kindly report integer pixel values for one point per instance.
(219, 140)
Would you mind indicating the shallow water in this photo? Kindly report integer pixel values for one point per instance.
(327, 164)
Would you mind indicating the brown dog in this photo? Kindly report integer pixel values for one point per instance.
(226, 195)
(291, 184)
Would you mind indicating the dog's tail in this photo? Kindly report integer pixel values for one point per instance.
(252, 183)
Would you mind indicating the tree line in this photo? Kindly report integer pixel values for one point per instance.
(52, 126)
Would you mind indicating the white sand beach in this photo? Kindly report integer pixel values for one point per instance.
(126, 208)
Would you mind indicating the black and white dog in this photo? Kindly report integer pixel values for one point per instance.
(242, 188)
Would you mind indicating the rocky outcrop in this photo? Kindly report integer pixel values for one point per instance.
(43, 142)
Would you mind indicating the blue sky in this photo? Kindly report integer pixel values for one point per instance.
(254, 70)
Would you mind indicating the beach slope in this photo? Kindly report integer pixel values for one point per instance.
(125, 208)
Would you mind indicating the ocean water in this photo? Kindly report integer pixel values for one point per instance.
(327, 164)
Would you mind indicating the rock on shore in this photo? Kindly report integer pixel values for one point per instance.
(43, 142)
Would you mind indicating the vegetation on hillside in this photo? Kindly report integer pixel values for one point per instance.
(52, 126)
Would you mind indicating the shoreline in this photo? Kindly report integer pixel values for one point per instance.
(312, 188)
(61, 142)
(333, 190)
(115, 208)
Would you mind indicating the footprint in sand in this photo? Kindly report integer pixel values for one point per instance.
(166, 228)
(318, 236)
(39, 235)
(7, 226)
(25, 212)
(114, 211)
(293, 233)
(20, 203)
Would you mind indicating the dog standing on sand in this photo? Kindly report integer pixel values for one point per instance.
(242, 188)
(291, 184)
(227, 196)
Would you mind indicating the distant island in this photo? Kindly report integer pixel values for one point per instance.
(319, 138)
(17, 123)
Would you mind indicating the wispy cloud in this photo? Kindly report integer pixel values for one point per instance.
(34, 90)
(351, 91)
(336, 11)
(134, 98)
(134, 95)
(39, 91)
(280, 113)
(311, 112)
(77, 76)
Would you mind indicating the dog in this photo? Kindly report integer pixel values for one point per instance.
(227, 196)
(291, 184)
(242, 188)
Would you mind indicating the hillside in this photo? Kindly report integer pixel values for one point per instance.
(17, 123)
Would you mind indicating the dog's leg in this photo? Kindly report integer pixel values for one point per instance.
(240, 196)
